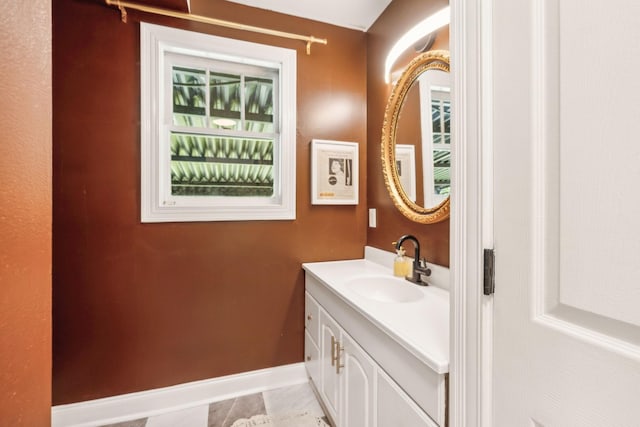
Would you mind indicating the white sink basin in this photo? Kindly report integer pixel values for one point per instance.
(385, 289)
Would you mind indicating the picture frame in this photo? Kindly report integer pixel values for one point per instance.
(406, 166)
(334, 172)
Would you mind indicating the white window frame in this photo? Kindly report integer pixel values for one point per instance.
(157, 43)
(430, 84)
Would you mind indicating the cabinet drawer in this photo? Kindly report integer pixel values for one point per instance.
(311, 317)
(312, 359)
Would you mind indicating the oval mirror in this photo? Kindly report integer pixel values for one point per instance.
(416, 139)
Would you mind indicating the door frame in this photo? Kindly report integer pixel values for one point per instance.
(471, 317)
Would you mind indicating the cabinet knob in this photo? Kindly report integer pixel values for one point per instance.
(309, 317)
(308, 358)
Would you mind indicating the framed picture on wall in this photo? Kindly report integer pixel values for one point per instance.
(334, 172)
(406, 166)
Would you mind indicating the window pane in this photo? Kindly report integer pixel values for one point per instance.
(447, 116)
(436, 116)
(189, 86)
(218, 166)
(443, 189)
(442, 171)
(225, 101)
(258, 101)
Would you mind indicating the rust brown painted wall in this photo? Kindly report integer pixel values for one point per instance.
(395, 20)
(139, 306)
(25, 215)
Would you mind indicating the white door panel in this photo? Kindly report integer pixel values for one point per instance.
(357, 379)
(598, 113)
(567, 212)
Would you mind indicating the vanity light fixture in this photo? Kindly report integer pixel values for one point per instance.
(415, 34)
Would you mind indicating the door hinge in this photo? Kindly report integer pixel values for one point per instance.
(489, 282)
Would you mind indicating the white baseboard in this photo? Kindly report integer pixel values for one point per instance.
(153, 402)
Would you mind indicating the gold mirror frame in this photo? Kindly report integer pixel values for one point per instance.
(432, 60)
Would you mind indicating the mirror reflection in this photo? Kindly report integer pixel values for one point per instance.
(423, 139)
(416, 139)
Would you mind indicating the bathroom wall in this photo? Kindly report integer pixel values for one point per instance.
(392, 24)
(25, 214)
(140, 306)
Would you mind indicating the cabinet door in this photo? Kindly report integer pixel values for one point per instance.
(329, 387)
(356, 377)
(395, 408)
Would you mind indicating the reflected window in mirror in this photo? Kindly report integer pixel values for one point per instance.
(435, 94)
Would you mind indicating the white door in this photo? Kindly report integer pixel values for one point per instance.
(566, 123)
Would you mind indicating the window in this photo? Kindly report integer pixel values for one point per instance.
(435, 107)
(218, 128)
(441, 121)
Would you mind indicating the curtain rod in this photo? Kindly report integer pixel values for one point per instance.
(123, 5)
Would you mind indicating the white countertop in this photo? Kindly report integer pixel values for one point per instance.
(422, 326)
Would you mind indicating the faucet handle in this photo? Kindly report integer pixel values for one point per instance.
(423, 267)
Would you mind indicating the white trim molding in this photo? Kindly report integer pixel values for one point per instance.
(470, 393)
(153, 402)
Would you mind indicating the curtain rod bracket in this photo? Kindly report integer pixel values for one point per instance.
(121, 5)
(123, 12)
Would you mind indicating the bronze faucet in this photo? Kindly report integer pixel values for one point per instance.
(419, 265)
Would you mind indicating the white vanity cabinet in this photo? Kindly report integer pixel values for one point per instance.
(341, 371)
(356, 390)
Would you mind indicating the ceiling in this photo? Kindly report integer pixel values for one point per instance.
(354, 14)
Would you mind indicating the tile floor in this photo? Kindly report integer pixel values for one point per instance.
(280, 401)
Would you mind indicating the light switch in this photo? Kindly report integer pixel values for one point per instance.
(372, 218)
